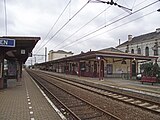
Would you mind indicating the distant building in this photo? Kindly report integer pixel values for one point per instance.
(147, 44)
(54, 55)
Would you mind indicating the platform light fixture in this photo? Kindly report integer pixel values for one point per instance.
(123, 62)
(98, 57)
(23, 52)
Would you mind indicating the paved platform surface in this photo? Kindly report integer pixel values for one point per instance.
(130, 85)
(25, 102)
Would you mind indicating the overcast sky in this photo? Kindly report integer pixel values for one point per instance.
(37, 17)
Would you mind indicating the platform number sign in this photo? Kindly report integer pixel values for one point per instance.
(5, 42)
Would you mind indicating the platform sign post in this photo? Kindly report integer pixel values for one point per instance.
(6, 42)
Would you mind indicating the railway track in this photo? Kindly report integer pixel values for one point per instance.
(72, 106)
(142, 103)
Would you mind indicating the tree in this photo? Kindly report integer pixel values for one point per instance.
(155, 69)
(150, 69)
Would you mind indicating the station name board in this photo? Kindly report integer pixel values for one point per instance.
(6, 42)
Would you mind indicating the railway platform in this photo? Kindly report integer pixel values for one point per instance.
(127, 85)
(25, 102)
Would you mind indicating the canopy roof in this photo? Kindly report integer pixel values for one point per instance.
(101, 54)
(22, 50)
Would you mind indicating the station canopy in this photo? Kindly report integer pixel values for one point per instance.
(102, 55)
(17, 48)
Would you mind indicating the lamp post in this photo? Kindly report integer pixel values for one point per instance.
(99, 66)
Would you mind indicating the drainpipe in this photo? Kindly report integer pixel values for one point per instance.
(130, 68)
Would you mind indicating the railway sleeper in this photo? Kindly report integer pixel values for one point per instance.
(118, 96)
(136, 102)
(123, 98)
(91, 115)
(81, 108)
(144, 104)
(153, 107)
(75, 106)
(68, 101)
(129, 100)
(73, 102)
(158, 110)
(112, 95)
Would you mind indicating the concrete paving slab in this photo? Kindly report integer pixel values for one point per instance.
(25, 102)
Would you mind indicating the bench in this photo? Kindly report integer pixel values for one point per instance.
(148, 79)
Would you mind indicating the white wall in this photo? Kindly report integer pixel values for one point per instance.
(142, 46)
(55, 56)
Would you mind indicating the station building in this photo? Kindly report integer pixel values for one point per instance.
(109, 63)
(147, 44)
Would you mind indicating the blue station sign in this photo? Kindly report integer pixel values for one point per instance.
(6, 42)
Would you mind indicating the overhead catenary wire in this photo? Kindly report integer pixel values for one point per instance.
(64, 24)
(114, 3)
(110, 24)
(5, 17)
(140, 3)
(134, 3)
(55, 23)
(83, 26)
(93, 19)
(118, 26)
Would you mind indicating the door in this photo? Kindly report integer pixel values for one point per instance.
(102, 69)
(133, 68)
(95, 69)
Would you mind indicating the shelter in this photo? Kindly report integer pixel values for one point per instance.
(14, 52)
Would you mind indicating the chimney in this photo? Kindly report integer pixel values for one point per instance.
(119, 41)
(158, 30)
(129, 37)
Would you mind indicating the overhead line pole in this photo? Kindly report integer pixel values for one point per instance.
(5, 10)
(45, 54)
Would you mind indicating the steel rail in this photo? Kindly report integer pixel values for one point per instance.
(94, 106)
(48, 91)
(132, 100)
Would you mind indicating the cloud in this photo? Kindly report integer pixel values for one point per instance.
(2, 23)
(36, 17)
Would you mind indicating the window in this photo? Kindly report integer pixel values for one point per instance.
(109, 69)
(139, 51)
(147, 51)
(127, 49)
(132, 51)
(155, 51)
